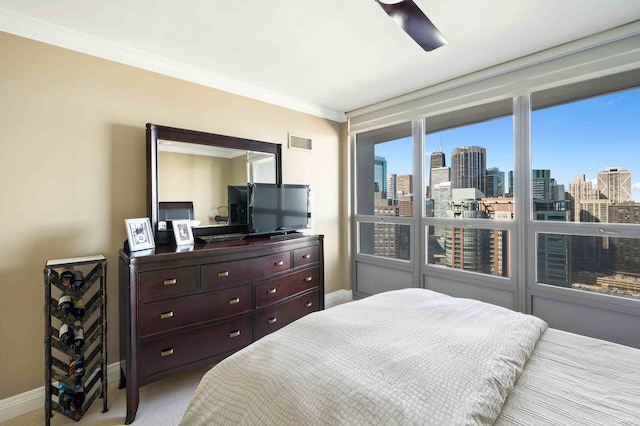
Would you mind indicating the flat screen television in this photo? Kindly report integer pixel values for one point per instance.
(278, 209)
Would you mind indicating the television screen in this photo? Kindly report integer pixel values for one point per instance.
(278, 208)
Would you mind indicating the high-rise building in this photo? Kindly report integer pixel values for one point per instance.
(469, 168)
(510, 191)
(495, 183)
(615, 184)
(405, 205)
(380, 175)
(541, 184)
(554, 250)
(438, 175)
(404, 185)
(580, 190)
(441, 197)
(392, 187)
(438, 161)
(499, 243)
(464, 247)
(626, 251)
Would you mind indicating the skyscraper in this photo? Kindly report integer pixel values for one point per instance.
(541, 184)
(469, 168)
(392, 187)
(626, 251)
(464, 246)
(437, 162)
(495, 183)
(404, 185)
(380, 174)
(615, 184)
(580, 190)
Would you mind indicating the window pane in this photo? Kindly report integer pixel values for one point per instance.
(586, 158)
(479, 250)
(384, 172)
(393, 177)
(386, 240)
(469, 170)
(609, 265)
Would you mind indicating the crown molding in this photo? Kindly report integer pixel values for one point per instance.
(56, 35)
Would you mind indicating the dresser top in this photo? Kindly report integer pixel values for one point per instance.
(170, 252)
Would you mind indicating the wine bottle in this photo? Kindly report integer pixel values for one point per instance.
(76, 405)
(78, 341)
(66, 335)
(65, 305)
(78, 307)
(78, 279)
(66, 276)
(77, 370)
(65, 397)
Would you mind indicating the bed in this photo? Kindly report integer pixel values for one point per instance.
(415, 356)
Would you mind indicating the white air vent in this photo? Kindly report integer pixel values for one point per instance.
(299, 142)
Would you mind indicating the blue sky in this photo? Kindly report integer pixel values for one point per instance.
(584, 137)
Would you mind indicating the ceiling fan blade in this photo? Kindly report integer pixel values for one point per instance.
(415, 23)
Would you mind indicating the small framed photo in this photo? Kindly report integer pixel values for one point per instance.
(182, 232)
(139, 234)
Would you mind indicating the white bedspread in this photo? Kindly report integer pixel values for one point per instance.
(404, 357)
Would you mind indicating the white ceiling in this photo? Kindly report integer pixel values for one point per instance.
(325, 57)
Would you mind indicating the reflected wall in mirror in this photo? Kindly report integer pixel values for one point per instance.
(187, 166)
(202, 175)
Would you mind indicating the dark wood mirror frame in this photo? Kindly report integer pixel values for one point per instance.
(157, 132)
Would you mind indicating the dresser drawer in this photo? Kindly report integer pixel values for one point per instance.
(272, 291)
(305, 256)
(178, 349)
(165, 315)
(271, 319)
(245, 270)
(167, 281)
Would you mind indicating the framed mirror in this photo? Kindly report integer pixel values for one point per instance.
(200, 177)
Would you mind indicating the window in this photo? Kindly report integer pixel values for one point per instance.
(469, 178)
(385, 199)
(586, 174)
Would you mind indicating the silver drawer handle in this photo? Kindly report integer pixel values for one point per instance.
(272, 320)
(234, 333)
(223, 274)
(308, 279)
(166, 315)
(272, 291)
(279, 263)
(234, 301)
(166, 352)
(170, 282)
(308, 304)
(306, 256)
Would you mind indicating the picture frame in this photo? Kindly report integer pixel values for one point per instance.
(182, 232)
(139, 234)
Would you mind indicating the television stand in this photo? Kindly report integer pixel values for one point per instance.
(290, 236)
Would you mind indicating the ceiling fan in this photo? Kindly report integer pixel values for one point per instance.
(414, 22)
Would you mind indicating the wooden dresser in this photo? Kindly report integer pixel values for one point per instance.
(181, 310)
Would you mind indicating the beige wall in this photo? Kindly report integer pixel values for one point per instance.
(72, 168)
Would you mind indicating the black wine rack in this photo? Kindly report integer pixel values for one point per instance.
(88, 286)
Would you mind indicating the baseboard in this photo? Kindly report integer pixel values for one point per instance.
(25, 402)
(28, 401)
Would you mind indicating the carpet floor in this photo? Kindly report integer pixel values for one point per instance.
(161, 403)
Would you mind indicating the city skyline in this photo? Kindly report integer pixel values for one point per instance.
(609, 125)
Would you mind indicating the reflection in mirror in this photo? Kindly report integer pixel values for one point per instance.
(202, 174)
(190, 173)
